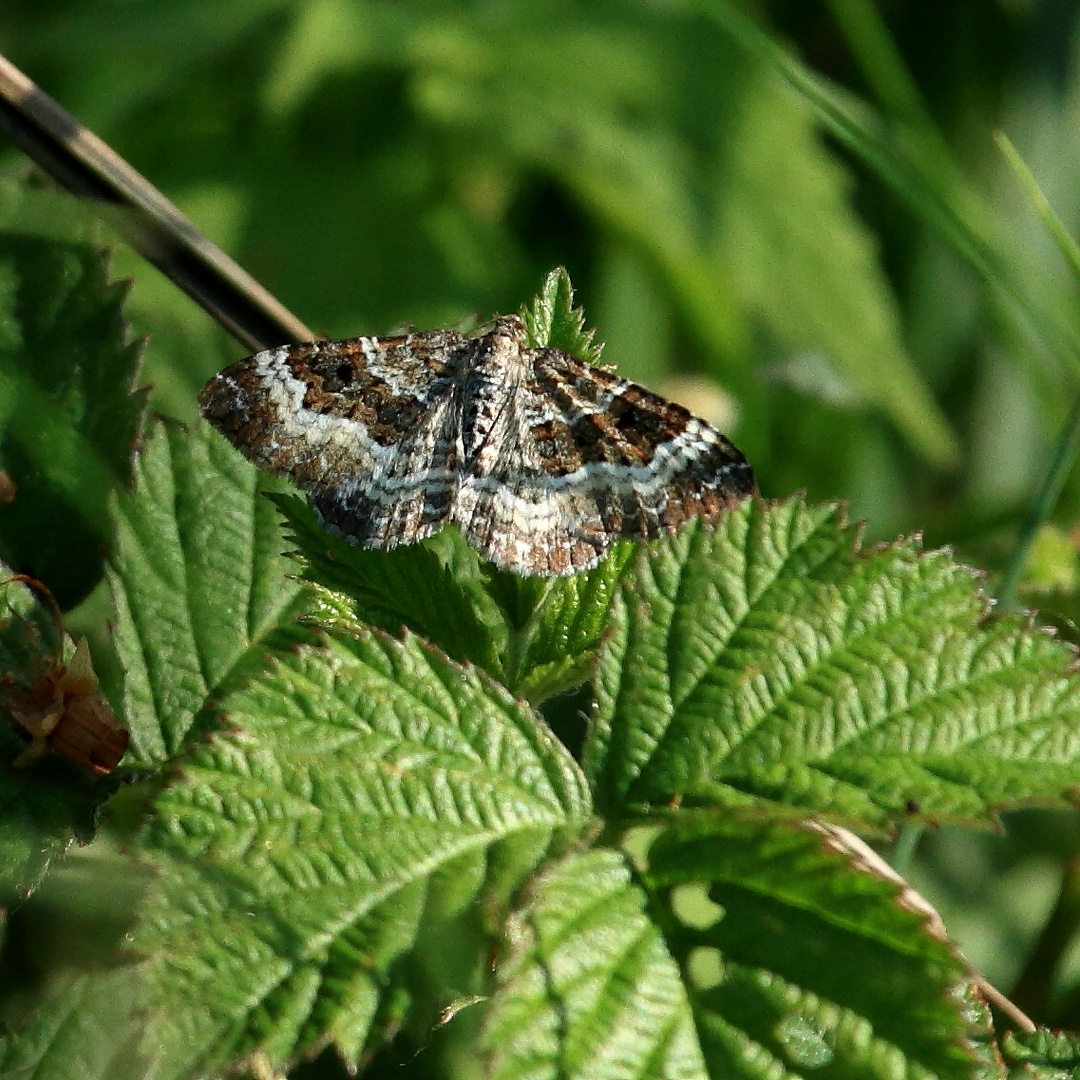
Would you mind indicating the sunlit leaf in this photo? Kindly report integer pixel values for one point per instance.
(366, 786)
(407, 588)
(198, 580)
(770, 660)
(744, 949)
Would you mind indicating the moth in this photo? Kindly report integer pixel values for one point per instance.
(540, 459)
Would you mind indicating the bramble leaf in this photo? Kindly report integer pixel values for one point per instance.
(1042, 1054)
(89, 1023)
(198, 580)
(365, 788)
(589, 983)
(552, 321)
(743, 949)
(556, 647)
(409, 587)
(794, 957)
(769, 660)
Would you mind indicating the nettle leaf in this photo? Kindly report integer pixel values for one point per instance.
(770, 660)
(744, 949)
(368, 786)
(69, 413)
(43, 808)
(198, 581)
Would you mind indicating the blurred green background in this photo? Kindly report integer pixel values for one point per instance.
(880, 318)
(415, 163)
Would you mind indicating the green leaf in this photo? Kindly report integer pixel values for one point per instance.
(1042, 1054)
(770, 660)
(69, 416)
(46, 806)
(364, 788)
(1052, 564)
(556, 100)
(410, 587)
(556, 647)
(798, 962)
(744, 949)
(87, 1026)
(589, 985)
(198, 580)
(552, 321)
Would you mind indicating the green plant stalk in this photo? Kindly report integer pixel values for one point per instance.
(1069, 440)
(1054, 225)
(1057, 475)
(903, 853)
(879, 60)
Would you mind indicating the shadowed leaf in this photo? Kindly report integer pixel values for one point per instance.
(69, 414)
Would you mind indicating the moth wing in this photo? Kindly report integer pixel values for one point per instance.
(585, 458)
(364, 426)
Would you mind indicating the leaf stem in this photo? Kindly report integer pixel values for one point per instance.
(903, 852)
(518, 638)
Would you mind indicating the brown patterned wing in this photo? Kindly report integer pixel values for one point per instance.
(541, 460)
(365, 426)
(586, 458)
